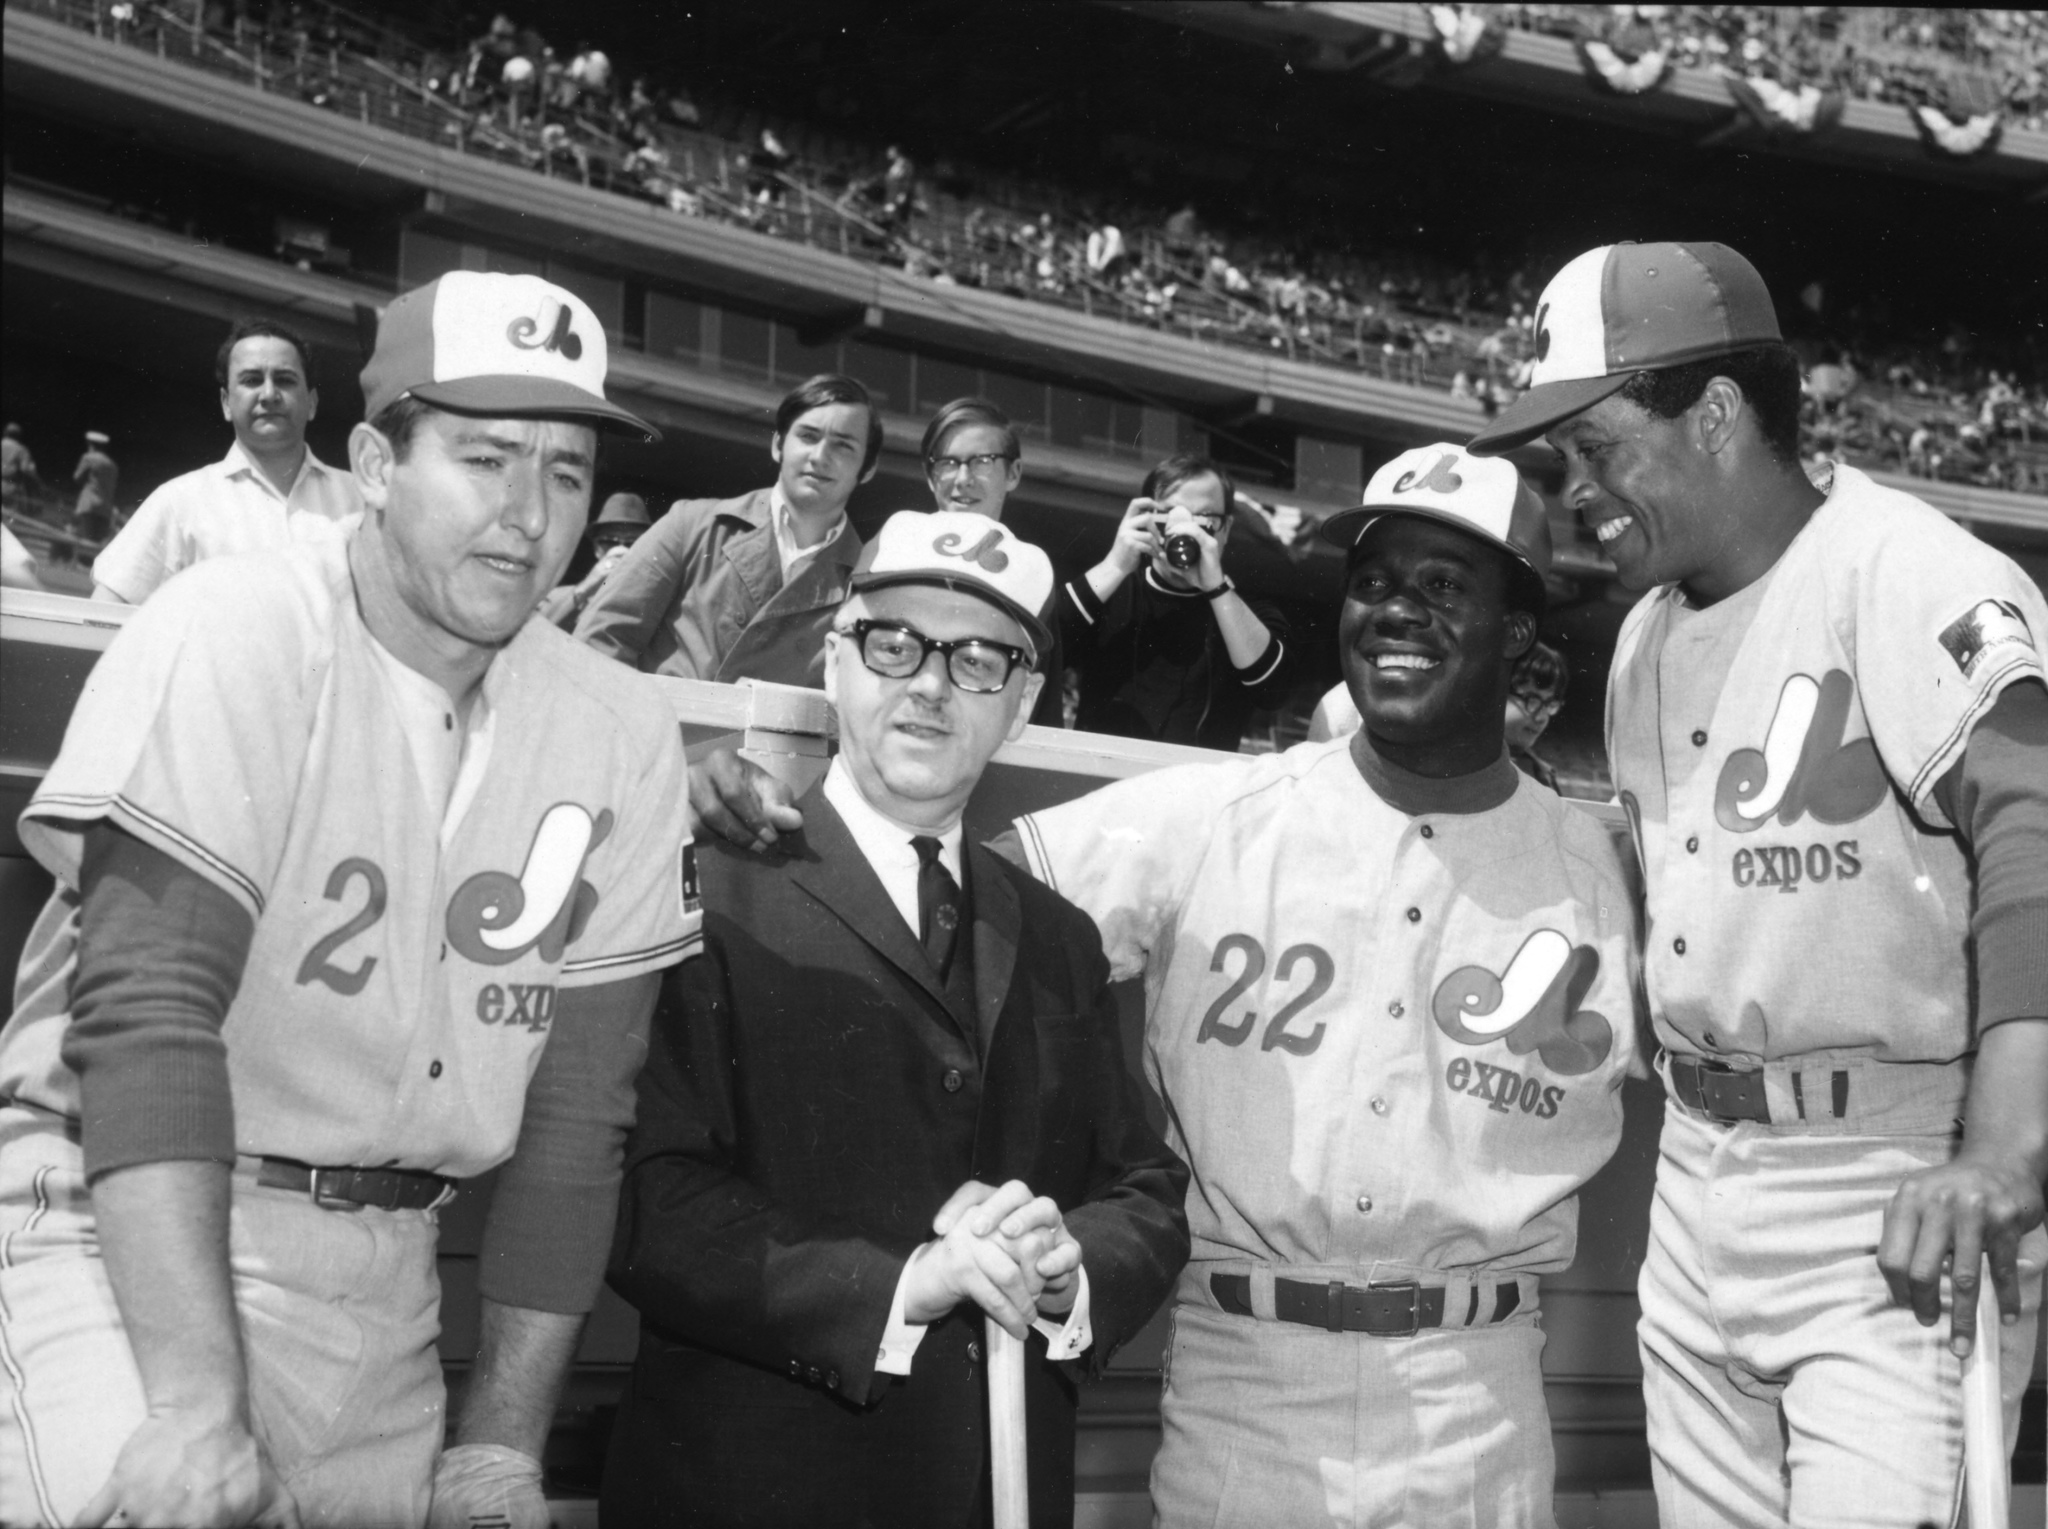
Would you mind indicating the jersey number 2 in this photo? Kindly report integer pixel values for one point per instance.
(318, 965)
(1277, 1036)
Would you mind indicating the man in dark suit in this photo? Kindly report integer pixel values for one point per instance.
(727, 589)
(889, 1096)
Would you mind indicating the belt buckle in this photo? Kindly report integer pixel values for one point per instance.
(333, 1198)
(1413, 1290)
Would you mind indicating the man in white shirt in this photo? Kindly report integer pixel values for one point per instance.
(884, 1025)
(267, 492)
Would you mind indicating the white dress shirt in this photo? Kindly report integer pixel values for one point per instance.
(782, 517)
(886, 845)
(225, 507)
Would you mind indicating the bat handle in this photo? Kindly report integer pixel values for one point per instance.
(1009, 1465)
(1987, 1475)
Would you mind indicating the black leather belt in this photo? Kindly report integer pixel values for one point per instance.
(1728, 1095)
(352, 1188)
(1383, 1311)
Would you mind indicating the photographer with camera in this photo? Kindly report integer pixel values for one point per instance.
(1166, 647)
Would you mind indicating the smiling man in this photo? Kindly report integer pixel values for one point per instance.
(887, 1098)
(334, 930)
(1388, 1007)
(1829, 728)
(268, 491)
(726, 589)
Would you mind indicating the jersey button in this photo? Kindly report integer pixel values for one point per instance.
(1396, 1008)
(1679, 945)
(814, 1375)
(974, 1351)
(1710, 1041)
(1414, 915)
(1379, 1105)
(952, 1080)
(1692, 845)
(434, 1071)
(1428, 832)
(1365, 1204)
(1699, 737)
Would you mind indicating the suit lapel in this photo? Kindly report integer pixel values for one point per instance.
(839, 876)
(751, 554)
(822, 581)
(998, 923)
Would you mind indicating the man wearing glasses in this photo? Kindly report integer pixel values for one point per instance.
(1167, 647)
(886, 1024)
(973, 461)
(727, 589)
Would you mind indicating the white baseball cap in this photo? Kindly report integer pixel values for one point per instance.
(1481, 495)
(956, 549)
(1627, 308)
(482, 342)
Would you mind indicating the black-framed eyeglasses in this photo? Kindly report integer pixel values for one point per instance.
(897, 652)
(980, 465)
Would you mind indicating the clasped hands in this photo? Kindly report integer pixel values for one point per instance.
(1005, 1249)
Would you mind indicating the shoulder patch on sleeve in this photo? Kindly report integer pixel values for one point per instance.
(1987, 625)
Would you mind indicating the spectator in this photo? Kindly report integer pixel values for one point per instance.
(973, 462)
(1105, 251)
(1166, 647)
(98, 480)
(725, 589)
(1536, 688)
(17, 467)
(268, 491)
(618, 525)
(768, 168)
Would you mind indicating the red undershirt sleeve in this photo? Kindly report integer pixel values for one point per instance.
(549, 1231)
(160, 955)
(1997, 795)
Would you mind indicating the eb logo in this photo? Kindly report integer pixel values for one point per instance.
(559, 337)
(987, 553)
(1439, 478)
(495, 918)
(1804, 767)
(1534, 1005)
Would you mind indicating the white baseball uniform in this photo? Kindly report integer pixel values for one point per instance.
(415, 913)
(1809, 915)
(1390, 1044)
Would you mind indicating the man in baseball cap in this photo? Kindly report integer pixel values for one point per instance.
(1388, 1007)
(339, 923)
(1829, 690)
(889, 1098)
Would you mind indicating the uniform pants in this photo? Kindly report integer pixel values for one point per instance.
(339, 1309)
(1273, 1423)
(1783, 1386)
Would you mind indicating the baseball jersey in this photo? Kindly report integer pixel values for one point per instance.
(1379, 1037)
(221, 509)
(408, 948)
(1777, 753)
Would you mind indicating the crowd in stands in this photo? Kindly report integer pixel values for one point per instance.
(1403, 317)
(1966, 61)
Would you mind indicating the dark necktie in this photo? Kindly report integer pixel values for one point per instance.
(938, 904)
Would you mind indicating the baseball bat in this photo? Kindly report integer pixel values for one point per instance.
(1987, 1477)
(1008, 1465)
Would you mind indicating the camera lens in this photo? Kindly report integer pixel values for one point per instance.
(1183, 551)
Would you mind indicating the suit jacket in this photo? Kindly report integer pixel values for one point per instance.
(813, 1094)
(701, 595)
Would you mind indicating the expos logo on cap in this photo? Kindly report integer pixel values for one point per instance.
(1625, 308)
(481, 342)
(958, 550)
(1484, 496)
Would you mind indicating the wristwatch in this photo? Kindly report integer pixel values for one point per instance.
(1225, 588)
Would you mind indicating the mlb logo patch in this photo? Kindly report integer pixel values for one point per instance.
(1987, 625)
